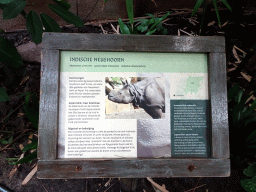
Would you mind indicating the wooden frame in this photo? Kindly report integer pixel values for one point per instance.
(218, 165)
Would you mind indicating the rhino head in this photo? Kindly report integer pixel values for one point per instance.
(122, 95)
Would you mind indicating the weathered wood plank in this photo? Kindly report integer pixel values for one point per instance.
(218, 93)
(134, 43)
(133, 168)
(48, 118)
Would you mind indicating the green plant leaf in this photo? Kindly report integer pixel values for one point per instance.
(12, 161)
(6, 142)
(32, 109)
(250, 118)
(10, 140)
(10, 132)
(158, 21)
(150, 21)
(206, 11)
(140, 20)
(145, 22)
(245, 109)
(30, 146)
(129, 7)
(216, 10)
(132, 30)
(151, 32)
(159, 25)
(232, 92)
(197, 6)
(3, 95)
(9, 54)
(252, 147)
(105, 1)
(28, 158)
(50, 24)
(239, 96)
(251, 170)
(237, 113)
(241, 107)
(5, 1)
(7, 118)
(250, 110)
(66, 15)
(33, 140)
(151, 15)
(124, 29)
(248, 185)
(142, 28)
(251, 138)
(226, 3)
(134, 184)
(13, 9)
(164, 31)
(34, 26)
(253, 106)
(63, 4)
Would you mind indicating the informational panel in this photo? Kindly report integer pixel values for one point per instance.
(161, 110)
(136, 106)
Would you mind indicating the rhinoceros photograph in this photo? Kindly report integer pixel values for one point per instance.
(140, 97)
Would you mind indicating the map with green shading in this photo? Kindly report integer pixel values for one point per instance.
(193, 84)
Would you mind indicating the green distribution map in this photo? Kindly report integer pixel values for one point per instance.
(193, 84)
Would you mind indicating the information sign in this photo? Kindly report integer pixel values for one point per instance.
(153, 105)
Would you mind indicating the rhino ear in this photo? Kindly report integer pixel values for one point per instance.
(123, 82)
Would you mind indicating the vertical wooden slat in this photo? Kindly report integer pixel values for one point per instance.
(49, 90)
(219, 110)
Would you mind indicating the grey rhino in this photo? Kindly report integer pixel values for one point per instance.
(146, 94)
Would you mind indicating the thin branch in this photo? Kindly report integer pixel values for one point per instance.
(43, 186)
(110, 186)
(156, 185)
(186, 32)
(103, 30)
(12, 112)
(14, 140)
(114, 29)
(195, 188)
(29, 176)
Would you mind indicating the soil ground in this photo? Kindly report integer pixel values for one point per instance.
(19, 124)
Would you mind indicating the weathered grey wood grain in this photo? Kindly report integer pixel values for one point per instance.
(133, 168)
(48, 118)
(134, 43)
(219, 110)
